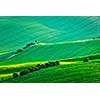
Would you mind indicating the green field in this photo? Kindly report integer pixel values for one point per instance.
(68, 40)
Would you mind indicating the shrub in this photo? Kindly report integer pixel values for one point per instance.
(15, 75)
(46, 65)
(23, 72)
(57, 63)
(36, 68)
(85, 59)
(30, 69)
(18, 51)
(51, 64)
(24, 47)
(29, 44)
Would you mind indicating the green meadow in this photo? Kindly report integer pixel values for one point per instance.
(67, 39)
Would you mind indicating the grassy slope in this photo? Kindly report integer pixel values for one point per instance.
(78, 72)
(93, 45)
(56, 52)
(15, 32)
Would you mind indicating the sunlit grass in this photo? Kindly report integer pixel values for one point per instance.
(66, 63)
(5, 76)
(71, 71)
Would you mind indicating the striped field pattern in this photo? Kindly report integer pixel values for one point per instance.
(66, 39)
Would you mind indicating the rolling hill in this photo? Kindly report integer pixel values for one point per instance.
(22, 30)
(67, 72)
(51, 52)
(66, 39)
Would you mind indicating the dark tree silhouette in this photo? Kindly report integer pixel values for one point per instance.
(15, 75)
(85, 59)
